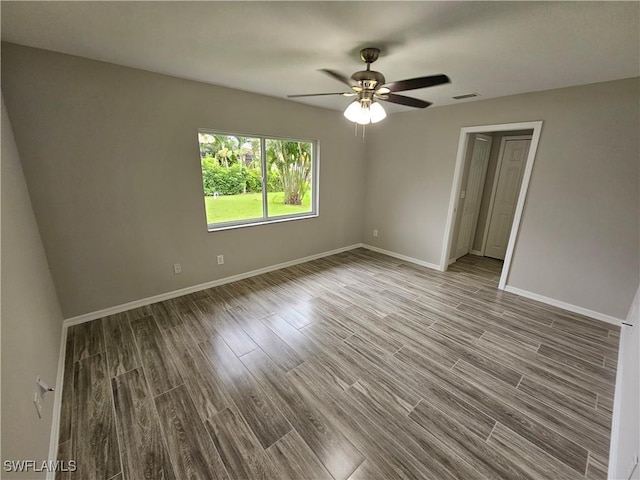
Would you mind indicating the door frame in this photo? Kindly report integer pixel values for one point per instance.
(492, 199)
(463, 144)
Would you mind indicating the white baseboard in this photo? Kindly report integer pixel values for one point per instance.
(566, 306)
(477, 253)
(87, 317)
(401, 257)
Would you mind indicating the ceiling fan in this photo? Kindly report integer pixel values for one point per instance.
(370, 86)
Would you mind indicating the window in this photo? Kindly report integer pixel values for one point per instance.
(250, 180)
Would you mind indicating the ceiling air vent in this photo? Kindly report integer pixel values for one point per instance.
(466, 95)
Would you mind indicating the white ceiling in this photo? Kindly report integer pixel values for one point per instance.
(277, 48)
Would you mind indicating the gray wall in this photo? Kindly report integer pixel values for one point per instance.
(31, 317)
(579, 236)
(112, 162)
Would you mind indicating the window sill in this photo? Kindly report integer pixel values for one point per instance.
(212, 228)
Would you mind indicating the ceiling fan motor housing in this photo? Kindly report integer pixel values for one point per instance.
(368, 79)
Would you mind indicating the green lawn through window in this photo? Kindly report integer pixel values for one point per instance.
(228, 208)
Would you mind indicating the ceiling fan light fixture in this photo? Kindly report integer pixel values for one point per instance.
(358, 112)
(377, 112)
(365, 112)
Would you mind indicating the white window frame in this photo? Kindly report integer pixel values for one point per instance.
(266, 220)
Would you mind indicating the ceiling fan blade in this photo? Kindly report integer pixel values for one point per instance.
(340, 77)
(344, 94)
(415, 83)
(402, 100)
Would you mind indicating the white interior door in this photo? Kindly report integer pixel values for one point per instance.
(471, 194)
(505, 196)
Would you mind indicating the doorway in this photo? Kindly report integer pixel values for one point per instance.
(491, 178)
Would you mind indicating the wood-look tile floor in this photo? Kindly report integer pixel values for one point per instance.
(354, 366)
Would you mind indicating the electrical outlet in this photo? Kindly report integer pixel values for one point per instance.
(220, 259)
(177, 268)
(375, 233)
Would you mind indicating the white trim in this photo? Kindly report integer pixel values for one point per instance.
(211, 228)
(477, 253)
(565, 306)
(617, 405)
(625, 333)
(87, 317)
(57, 403)
(463, 141)
(401, 257)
